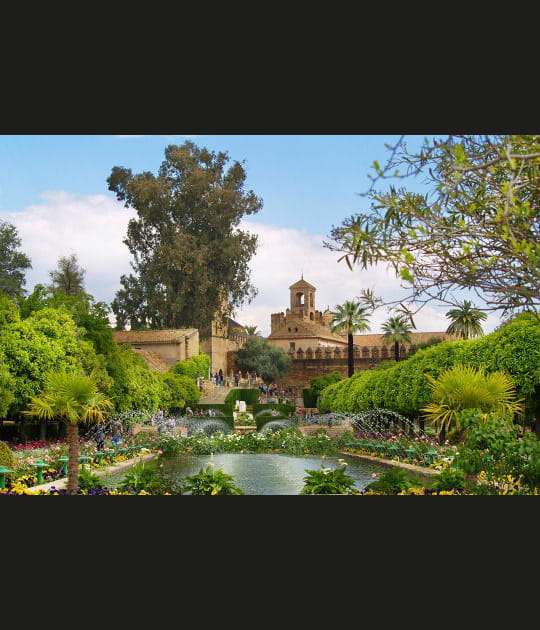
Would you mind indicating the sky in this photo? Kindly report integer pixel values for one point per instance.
(53, 188)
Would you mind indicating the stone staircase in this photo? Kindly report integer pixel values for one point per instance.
(217, 396)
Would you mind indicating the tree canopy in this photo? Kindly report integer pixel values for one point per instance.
(68, 277)
(13, 262)
(268, 361)
(189, 256)
(476, 229)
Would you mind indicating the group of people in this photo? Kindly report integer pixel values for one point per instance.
(163, 421)
(200, 412)
(219, 378)
(114, 430)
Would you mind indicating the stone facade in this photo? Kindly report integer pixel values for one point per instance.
(304, 334)
(161, 348)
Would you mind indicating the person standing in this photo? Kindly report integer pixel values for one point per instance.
(221, 377)
(171, 424)
(99, 437)
(116, 432)
(158, 418)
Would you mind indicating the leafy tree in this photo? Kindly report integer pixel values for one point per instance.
(190, 257)
(396, 330)
(13, 262)
(349, 317)
(477, 228)
(178, 391)
(72, 398)
(198, 364)
(252, 330)
(68, 278)
(465, 321)
(48, 340)
(268, 361)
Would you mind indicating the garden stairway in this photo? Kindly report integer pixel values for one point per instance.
(217, 397)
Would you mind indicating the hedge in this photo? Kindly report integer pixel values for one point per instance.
(249, 396)
(403, 387)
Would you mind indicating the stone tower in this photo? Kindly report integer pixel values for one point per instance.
(302, 307)
(302, 300)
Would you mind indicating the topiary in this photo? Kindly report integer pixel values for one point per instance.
(7, 459)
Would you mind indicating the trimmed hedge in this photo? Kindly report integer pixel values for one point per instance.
(249, 396)
(403, 387)
(310, 398)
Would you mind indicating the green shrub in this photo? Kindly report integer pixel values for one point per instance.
(393, 481)
(7, 459)
(138, 477)
(88, 480)
(209, 481)
(249, 396)
(310, 398)
(449, 479)
(327, 481)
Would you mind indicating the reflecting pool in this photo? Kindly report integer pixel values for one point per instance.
(262, 473)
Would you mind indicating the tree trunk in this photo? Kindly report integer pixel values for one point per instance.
(43, 429)
(73, 454)
(442, 436)
(350, 354)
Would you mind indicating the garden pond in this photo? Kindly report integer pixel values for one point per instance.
(261, 473)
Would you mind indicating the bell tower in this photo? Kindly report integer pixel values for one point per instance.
(302, 299)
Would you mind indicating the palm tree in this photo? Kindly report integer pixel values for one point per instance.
(464, 387)
(251, 331)
(350, 317)
(397, 330)
(72, 398)
(465, 321)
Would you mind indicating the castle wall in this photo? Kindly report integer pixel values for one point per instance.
(218, 348)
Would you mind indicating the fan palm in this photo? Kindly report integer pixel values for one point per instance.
(350, 317)
(464, 387)
(465, 321)
(72, 398)
(397, 330)
(251, 330)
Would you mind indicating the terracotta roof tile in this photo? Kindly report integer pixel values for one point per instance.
(306, 329)
(151, 336)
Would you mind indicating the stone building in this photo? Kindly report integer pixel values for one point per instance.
(304, 334)
(161, 348)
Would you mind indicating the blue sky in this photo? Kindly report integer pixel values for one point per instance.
(304, 180)
(54, 189)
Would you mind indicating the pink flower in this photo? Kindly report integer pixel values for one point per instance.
(159, 452)
(373, 475)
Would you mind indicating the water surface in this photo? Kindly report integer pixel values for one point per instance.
(263, 473)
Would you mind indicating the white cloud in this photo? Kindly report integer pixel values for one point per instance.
(94, 226)
(91, 226)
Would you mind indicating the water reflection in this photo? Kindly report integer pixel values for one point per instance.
(263, 473)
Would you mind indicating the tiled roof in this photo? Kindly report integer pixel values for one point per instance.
(307, 329)
(302, 284)
(152, 336)
(416, 337)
